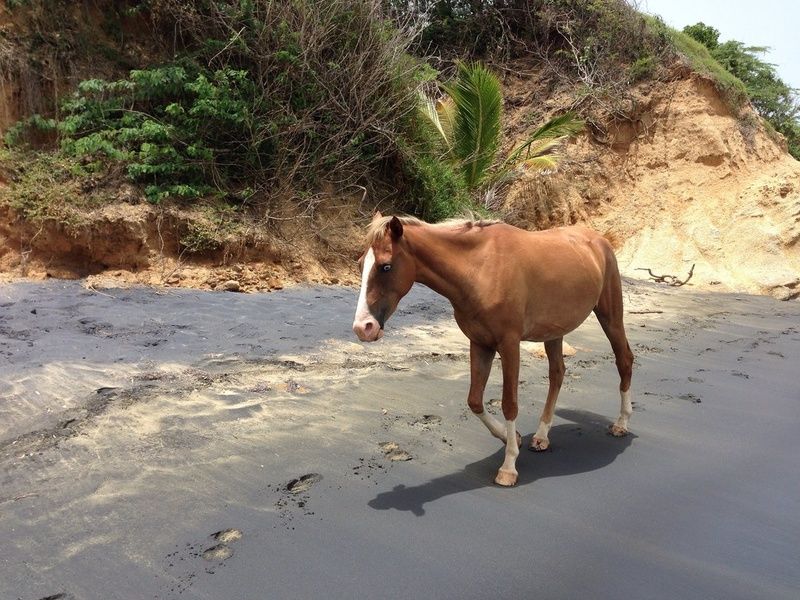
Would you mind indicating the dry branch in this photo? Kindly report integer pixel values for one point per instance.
(668, 279)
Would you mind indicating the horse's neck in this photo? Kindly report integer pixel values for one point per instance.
(443, 260)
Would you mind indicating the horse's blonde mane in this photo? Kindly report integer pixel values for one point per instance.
(377, 229)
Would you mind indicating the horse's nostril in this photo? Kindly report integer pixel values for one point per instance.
(367, 327)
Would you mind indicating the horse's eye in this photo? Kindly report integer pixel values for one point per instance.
(386, 268)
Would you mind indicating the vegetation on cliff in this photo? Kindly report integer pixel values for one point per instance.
(272, 106)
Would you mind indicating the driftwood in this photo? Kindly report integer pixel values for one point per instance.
(668, 279)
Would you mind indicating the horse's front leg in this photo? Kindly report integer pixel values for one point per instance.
(480, 361)
(509, 355)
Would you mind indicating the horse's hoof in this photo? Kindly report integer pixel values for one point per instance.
(506, 478)
(538, 445)
(617, 431)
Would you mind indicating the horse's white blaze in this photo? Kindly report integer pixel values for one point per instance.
(512, 449)
(362, 310)
(494, 426)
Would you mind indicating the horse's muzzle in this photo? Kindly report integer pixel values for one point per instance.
(368, 330)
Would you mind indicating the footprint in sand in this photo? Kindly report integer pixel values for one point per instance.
(691, 398)
(303, 483)
(392, 451)
(426, 422)
(293, 496)
(222, 551)
(219, 552)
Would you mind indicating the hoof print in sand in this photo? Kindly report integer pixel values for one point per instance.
(219, 552)
(426, 422)
(393, 452)
(303, 483)
(294, 387)
(293, 495)
(691, 398)
(222, 551)
(227, 536)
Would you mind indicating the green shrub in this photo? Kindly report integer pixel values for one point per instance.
(642, 68)
(25, 130)
(277, 97)
(45, 186)
(705, 34)
(177, 129)
(436, 190)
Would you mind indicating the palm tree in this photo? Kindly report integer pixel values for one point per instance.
(468, 121)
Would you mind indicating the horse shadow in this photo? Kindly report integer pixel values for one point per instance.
(578, 447)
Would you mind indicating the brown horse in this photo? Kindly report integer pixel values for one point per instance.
(506, 285)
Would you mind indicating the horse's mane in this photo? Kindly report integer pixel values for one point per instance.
(377, 229)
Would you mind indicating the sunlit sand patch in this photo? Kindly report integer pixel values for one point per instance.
(537, 349)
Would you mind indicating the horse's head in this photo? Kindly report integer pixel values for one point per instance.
(387, 273)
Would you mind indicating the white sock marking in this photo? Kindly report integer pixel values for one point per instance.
(625, 410)
(493, 425)
(542, 431)
(512, 450)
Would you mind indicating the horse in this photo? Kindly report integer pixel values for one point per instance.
(506, 285)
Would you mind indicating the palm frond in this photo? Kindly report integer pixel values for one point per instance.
(476, 133)
(446, 109)
(427, 108)
(540, 163)
(547, 137)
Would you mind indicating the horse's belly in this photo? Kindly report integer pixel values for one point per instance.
(544, 331)
(551, 317)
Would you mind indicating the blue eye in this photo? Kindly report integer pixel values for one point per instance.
(386, 268)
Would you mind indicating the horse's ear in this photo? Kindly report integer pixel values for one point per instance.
(396, 228)
(376, 216)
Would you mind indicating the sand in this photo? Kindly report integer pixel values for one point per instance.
(190, 444)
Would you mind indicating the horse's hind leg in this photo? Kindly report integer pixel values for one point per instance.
(555, 357)
(609, 314)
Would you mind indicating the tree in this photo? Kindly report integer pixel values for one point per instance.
(705, 34)
(468, 121)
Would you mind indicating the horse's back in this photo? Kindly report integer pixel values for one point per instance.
(558, 253)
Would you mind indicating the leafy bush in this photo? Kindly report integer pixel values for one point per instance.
(177, 129)
(590, 38)
(28, 129)
(642, 68)
(436, 190)
(705, 34)
(264, 99)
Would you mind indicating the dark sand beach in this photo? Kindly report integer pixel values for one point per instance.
(164, 444)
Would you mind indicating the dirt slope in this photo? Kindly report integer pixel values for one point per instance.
(121, 244)
(685, 182)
